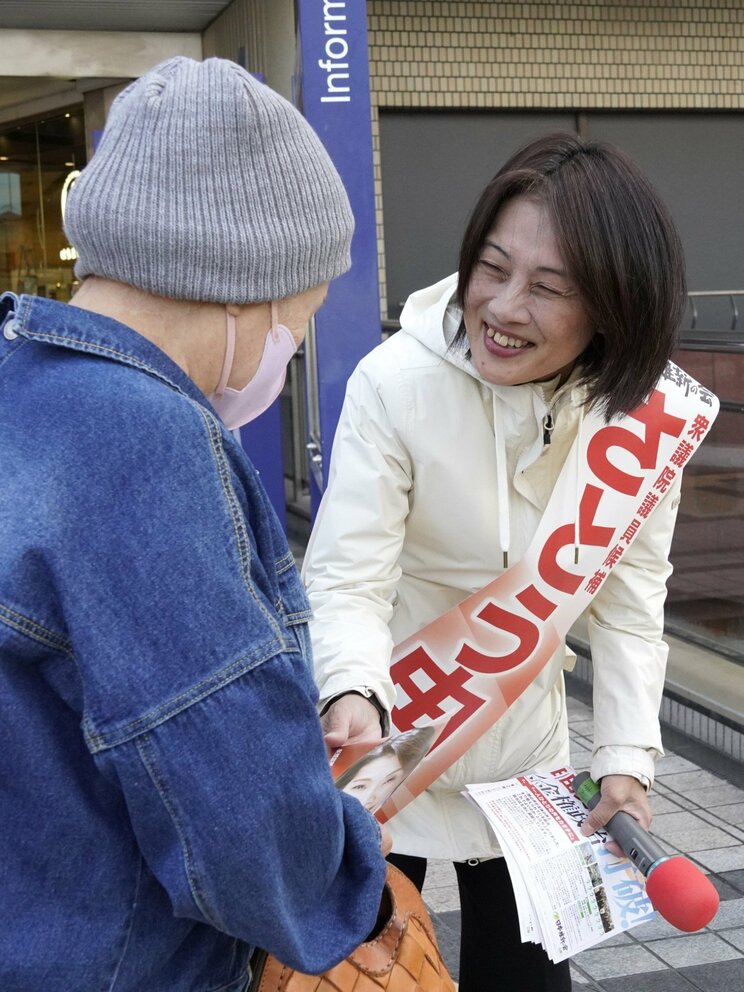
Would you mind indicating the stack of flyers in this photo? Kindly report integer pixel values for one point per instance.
(571, 891)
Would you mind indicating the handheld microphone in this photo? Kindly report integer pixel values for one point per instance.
(678, 890)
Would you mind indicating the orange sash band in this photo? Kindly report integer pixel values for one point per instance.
(462, 671)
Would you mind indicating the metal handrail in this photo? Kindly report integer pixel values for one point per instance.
(711, 294)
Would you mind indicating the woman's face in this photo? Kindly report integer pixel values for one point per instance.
(376, 781)
(523, 317)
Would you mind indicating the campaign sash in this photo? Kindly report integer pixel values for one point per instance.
(463, 670)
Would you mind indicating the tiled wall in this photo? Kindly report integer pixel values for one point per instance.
(654, 55)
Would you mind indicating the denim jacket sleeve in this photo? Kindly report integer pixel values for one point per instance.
(199, 701)
(235, 813)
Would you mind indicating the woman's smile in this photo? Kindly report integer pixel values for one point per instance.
(498, 342)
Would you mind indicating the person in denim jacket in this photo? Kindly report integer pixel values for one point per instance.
(167, 801)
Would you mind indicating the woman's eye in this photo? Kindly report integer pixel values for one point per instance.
(492, 267)
(551, 290)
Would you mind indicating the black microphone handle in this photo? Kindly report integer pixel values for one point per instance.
(636, 842)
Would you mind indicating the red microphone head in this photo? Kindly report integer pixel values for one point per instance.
(683, 895)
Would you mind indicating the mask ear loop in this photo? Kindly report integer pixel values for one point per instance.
(229, 354)
(274, 322)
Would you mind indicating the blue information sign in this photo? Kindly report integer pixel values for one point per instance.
(333, 94)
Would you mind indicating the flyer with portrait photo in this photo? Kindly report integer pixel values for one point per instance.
(373, 772)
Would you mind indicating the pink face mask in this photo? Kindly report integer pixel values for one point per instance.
(237, 407)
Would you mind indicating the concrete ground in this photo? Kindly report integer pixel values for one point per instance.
(698, 804)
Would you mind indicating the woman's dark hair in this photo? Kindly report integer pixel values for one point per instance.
(620, 246)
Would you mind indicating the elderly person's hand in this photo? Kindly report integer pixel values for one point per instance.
(619, 792)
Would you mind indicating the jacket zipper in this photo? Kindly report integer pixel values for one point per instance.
(548, 426)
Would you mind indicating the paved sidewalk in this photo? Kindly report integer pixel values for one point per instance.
(698, 804)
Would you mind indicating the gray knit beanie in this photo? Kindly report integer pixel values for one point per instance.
(208, 185)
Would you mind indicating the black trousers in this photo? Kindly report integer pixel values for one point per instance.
(492, 956)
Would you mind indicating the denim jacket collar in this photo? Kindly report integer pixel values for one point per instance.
(64, 326)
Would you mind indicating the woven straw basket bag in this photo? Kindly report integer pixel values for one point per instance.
(403, 957)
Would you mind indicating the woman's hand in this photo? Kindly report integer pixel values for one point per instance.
(619, 792)
(351, 719)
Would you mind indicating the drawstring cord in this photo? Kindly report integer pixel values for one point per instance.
(577, 535)
(503, 486)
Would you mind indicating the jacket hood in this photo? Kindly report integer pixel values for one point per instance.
(432, 317)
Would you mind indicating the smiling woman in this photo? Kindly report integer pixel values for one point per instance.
(453, 434)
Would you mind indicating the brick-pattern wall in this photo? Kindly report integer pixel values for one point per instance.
(654, 55)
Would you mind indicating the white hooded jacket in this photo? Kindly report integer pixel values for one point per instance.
(435, 475)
